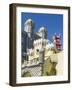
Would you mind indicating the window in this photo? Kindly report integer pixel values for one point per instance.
(37, 51)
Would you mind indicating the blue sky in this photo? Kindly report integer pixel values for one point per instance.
(52, 22)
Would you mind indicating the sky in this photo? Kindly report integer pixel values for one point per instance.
(52, 22)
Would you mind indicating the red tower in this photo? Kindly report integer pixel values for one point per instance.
(57, 42)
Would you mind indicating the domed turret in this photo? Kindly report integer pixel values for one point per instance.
(29, 25)
(42, 29)
(42, 32)
(29, 29)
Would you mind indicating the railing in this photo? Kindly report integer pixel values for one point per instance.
(34, 61)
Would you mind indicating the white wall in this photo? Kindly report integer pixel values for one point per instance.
(4, 45)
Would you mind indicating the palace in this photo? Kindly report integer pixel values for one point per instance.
(38, 52)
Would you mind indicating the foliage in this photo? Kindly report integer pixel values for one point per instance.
(27, 74)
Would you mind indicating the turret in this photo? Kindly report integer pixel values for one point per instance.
(43, 33)
(29, 29)
(57, 41)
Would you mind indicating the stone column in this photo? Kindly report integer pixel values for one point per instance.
(41, 59)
